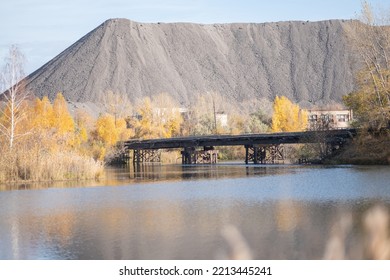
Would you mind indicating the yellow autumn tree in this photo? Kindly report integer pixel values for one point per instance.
(105, 136)
(288, 116)
(63, 121)
(123, 132)
(173, 124)
(43, 114)
(106, 131)
(80, 136)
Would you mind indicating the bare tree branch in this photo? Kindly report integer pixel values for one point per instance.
(14, 95)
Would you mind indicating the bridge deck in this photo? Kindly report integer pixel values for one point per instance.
(246, 140)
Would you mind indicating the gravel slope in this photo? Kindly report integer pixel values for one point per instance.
(302, 60)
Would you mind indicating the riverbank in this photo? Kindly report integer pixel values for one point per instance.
(365, 149)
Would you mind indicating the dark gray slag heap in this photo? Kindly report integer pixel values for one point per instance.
(301, 60)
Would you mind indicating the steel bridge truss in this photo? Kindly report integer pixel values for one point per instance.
(264, 154)
(192, 156)
(146, 156)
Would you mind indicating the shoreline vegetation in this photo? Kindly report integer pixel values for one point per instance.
(48, 145)
(366, 149)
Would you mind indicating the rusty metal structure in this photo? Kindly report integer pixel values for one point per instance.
(263, 154)
(191, 155)
(146, 155)
(259, 148)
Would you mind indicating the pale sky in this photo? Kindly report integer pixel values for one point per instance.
(44, 28)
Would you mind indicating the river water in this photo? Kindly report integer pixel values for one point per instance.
(196, 212)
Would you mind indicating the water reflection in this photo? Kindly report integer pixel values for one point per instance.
(282, 213)
(177, 231)
(126, 174)
(159, 172)
(148, 173)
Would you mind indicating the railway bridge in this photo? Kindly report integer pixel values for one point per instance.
(259, 148)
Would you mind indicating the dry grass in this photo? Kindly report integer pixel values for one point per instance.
(25, 165)
(239, 248)
(376, 239)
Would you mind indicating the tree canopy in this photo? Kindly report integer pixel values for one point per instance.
(288, 116)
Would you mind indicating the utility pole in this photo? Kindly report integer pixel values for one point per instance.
(215, 117)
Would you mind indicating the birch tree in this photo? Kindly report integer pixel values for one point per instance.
(13, 96)
(370, 38)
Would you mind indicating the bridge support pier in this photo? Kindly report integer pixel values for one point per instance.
(333, 147)
(142, 156)
(263, 154)
(192, 156)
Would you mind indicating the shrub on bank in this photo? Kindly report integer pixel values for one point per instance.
(367, 149)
